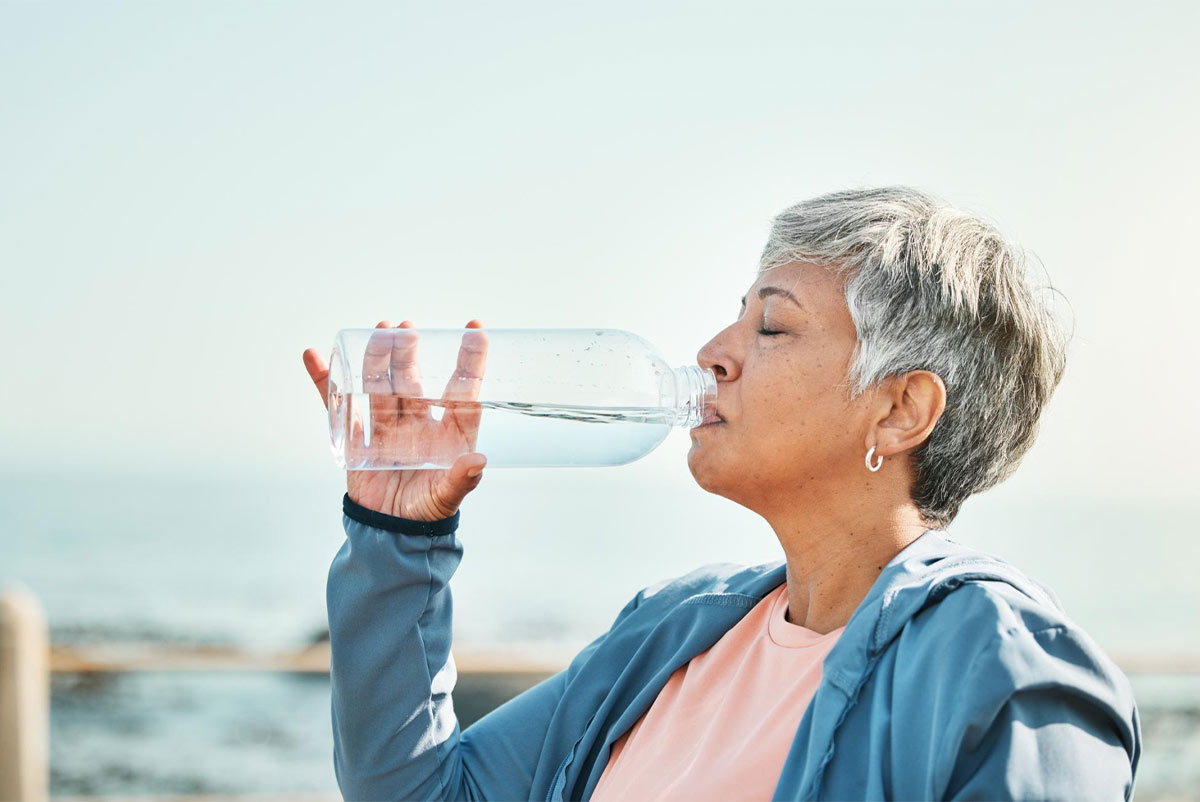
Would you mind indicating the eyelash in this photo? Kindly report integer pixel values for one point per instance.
(763, 331)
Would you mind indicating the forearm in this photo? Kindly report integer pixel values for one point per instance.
(390, 614)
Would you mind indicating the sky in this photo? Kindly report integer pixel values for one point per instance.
(192, 194)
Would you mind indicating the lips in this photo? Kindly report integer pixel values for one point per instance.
(712, 417)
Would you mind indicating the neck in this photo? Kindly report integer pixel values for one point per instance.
(835, 555)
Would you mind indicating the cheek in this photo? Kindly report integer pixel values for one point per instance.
(777, 416)
(799, 402)
(779, 384)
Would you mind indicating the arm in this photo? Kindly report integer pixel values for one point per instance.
(1068, 728)
(391, 672)
(388, 596)
(1046, 744)
(394, 729)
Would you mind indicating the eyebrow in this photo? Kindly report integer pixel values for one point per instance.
(766, 291)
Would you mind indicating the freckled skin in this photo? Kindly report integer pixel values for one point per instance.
(789, 420)
(793, 443)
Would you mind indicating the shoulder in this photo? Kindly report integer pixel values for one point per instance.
(723, 578)
(715, 582)
(1025, 685)
(988, 645)
(991, 610)
(721, 583)
(1015, 633)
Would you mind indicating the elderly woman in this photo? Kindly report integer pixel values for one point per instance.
(891, 358)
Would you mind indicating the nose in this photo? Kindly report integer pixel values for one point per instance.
(716, 357)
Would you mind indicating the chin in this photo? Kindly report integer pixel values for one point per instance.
(702, 471)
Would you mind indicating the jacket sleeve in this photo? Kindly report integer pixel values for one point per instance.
(1070, 734)
(391, 671)
(504, 748)
(395, 735)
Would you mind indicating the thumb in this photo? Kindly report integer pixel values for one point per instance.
(463, 477)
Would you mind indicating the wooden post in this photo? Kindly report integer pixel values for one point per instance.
(24, 698)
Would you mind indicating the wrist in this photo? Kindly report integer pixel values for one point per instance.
(395, 523)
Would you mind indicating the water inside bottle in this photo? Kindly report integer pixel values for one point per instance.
(510, 433)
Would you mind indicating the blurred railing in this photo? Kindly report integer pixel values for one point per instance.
(314, 659)
(24, 698)
(134, 657)
(27, 660)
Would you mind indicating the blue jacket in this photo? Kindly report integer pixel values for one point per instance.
(957, 677)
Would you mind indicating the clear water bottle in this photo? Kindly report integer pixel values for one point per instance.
(419, 398)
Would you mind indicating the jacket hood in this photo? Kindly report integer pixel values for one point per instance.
(918, 576)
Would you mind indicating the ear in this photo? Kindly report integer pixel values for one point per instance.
(908, 407)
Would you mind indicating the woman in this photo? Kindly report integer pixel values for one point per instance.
(891, 358)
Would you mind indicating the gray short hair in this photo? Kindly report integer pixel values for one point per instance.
(933, 288)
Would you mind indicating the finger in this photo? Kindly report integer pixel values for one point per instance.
(375, 379)
(462, 390)
(462, 477)
(406, 372)
(465, 382)
(318, 371)
(356, 448)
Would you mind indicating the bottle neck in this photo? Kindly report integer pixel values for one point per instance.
(695, 395)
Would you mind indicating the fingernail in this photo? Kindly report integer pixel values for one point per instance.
(473, 472)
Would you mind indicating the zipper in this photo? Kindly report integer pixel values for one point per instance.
(557, 785)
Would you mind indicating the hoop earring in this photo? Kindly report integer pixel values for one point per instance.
(877, 465)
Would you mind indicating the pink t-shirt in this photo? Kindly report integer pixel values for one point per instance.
(722, 726)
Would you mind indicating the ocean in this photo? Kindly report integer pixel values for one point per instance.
(550, 557)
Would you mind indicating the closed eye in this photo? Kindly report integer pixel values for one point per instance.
(768, 333)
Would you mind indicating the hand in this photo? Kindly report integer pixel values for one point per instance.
(398, 423)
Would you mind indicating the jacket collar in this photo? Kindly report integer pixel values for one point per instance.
(918, 576)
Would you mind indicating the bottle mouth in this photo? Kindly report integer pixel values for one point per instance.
(698, 388)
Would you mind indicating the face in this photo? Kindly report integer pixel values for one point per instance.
(789, 427)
